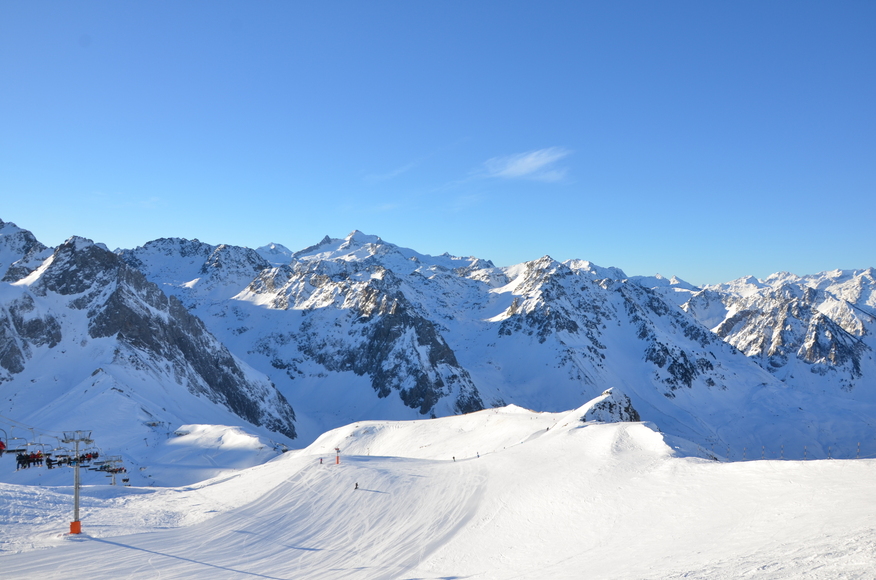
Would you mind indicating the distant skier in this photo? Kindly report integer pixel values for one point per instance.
(357, 485)
(320, 460)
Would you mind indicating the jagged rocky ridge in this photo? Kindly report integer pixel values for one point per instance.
(358, 328)
(442, 334)
(813, 332)
(385, 337)
(612, 407)
(20, 252)
(86, 306)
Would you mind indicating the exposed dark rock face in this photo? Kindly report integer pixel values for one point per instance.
(616, 407)
(371, 329)
(156, 330)
(398, 349)
(424, 330)
(542, 334)
(78, 266)
(555, 301)
(243, 259)
(22, 328)
(21, 252)
(784, 323)
(826, 342)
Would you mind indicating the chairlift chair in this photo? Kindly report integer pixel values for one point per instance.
(16, 445)
(61, 450)
(37, 444)
(94, 451)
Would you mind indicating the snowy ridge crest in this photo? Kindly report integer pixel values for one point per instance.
(358, 328)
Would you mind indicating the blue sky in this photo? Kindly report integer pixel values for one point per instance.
(705, 140)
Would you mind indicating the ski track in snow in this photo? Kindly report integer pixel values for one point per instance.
(545, 496)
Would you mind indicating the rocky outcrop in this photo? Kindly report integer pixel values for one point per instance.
(443, 334)
(384, 335)
(20, 252)
(821, 325)
(151, 331)
(612, 407)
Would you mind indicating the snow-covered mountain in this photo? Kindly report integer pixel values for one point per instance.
(358, 328)
(20, 252)
(276, 254)
(816, 333)
(87, 342)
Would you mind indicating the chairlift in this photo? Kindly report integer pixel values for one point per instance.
(16, 445)
(113, 466)
(61, 456)
(61, 450)
(32, 445)
(93, 451)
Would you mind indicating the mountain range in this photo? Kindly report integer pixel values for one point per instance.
(179, 332)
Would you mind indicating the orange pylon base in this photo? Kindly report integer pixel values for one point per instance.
(75, 527)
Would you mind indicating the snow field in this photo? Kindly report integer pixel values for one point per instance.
(549, 497)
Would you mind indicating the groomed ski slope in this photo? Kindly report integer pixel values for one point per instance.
(548, 497)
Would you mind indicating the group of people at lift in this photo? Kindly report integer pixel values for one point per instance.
(36, 459)
(26, 460)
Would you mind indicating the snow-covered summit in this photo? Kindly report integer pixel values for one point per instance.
(442, 334)
(815, 332)
(357, 327)
(275, 254)
(365, 248)
(674, 289)
(20, 252)
(195, 271)
(101, 343)
(78, 243)
(610, 273)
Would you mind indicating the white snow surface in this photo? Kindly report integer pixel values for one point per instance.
(499, 494)
(676, 290)
(276, 254)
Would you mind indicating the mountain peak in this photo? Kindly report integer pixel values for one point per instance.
(20, 252)
(78, 243)
(275, 254)
(359, 238)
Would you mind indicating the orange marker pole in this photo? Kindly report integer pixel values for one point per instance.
(76, 437)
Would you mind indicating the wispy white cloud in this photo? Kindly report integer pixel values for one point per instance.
(539, 165)
(392, 174)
